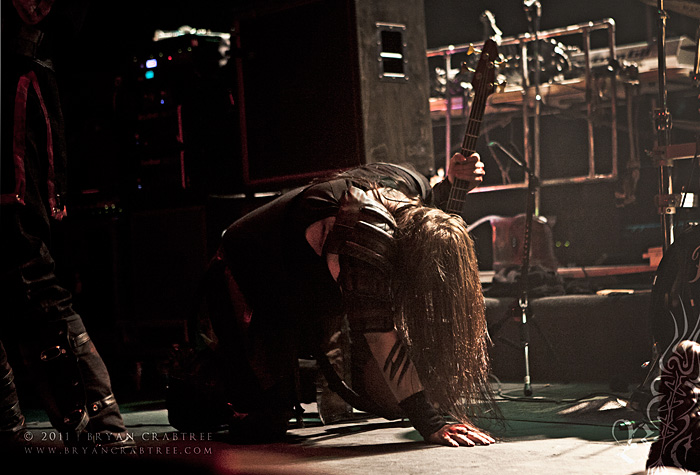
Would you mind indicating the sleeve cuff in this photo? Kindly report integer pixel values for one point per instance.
(424, 417)
(440, 193)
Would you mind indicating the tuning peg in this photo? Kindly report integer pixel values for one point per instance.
(500, 84)
(464, 69)
(471, 50)
(502, 60)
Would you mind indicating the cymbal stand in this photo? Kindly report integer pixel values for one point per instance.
(666, 201)
(696, 62)
(663, 122)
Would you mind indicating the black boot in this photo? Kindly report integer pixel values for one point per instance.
(74, 384)
(12, 427)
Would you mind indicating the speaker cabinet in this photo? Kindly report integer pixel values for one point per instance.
(330, 84)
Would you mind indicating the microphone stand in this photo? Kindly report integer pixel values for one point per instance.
(523, 301)
(533, 10)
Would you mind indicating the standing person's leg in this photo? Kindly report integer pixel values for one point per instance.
(11, 419)
(38, 315)
(71, 377)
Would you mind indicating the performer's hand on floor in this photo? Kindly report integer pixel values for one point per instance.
(459, 434)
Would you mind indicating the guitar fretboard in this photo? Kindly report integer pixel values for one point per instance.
(482, 88)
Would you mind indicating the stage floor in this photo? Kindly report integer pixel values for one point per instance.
(575, 428)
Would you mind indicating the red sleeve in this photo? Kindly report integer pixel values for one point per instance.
(33, 11)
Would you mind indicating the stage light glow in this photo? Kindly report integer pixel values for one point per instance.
(149, 74)
(151, 63)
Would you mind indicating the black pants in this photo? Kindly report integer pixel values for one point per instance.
(225, 380)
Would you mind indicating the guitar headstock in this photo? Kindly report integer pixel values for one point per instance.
(483, 84)
(484, 79)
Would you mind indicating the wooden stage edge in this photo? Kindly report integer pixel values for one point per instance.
(486, 276)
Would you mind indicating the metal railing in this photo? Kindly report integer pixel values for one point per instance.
(531, 145)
